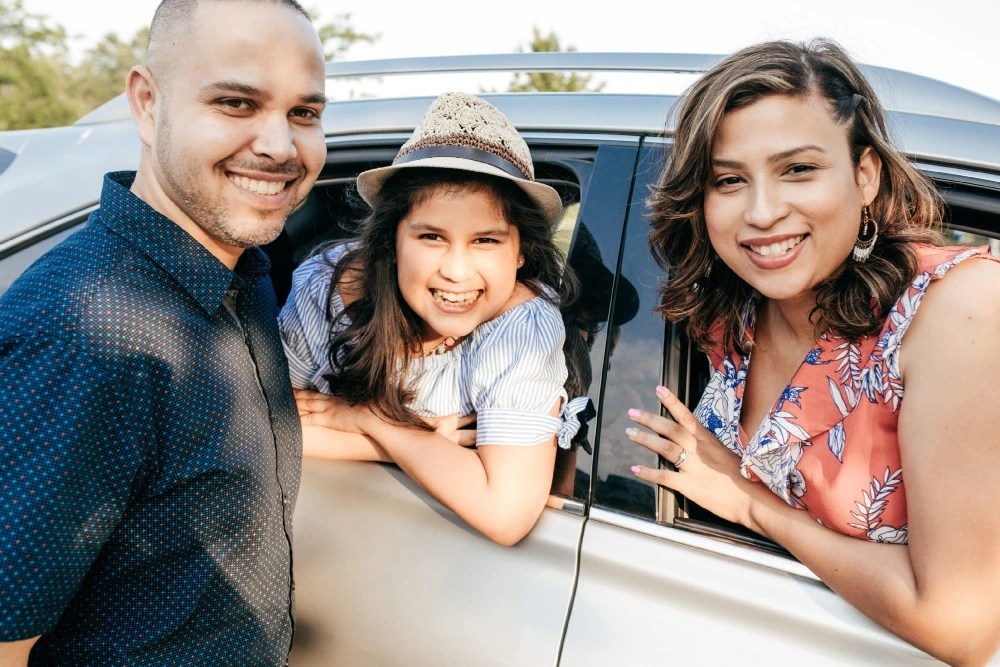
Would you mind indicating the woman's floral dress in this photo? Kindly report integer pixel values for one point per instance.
(829, 444)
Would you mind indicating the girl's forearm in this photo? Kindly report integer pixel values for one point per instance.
(327, 443)
(499, 490)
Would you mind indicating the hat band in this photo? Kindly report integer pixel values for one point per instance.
(465, 153)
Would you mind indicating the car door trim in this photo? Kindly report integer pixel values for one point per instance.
(711, 544)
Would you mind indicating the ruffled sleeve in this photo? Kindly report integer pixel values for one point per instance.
(517, 372)
(305, 320)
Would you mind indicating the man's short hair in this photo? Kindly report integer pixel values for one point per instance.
(172, 14)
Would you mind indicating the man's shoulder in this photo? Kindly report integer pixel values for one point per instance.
(90, 276)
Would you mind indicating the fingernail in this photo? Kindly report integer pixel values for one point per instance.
(662, 391)
(632, 412)
(635, 469)
(631, 432)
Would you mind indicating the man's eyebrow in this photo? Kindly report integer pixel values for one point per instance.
(235, 87)
(246, 90)
(777, 157)
(314, 98)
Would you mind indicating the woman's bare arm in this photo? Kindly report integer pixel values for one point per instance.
(942, 591)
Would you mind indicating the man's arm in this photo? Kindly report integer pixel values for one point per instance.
(69, 457)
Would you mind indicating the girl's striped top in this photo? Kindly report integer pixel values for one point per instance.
(509, 370)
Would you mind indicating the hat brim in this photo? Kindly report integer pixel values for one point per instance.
(548, 200)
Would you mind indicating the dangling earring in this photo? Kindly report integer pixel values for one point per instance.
(866, 237)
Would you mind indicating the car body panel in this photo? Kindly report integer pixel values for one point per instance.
(687, 599)
(443, 594)
(58, 171)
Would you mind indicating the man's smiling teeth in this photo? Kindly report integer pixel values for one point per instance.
(455, 298)
(258, 187)
(777, 248)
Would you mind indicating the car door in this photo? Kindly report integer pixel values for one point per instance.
(661, 581)
(385, 575)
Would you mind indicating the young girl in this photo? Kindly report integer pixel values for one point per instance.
(445, 311)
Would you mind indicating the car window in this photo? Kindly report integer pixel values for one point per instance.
(332, 211)
(593, 322)
(635, 360)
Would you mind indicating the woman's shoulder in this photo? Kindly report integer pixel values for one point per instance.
(960, 308)
(936, 261)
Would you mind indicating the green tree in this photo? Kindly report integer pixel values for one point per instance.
(550, 81)
(339, 35)
(40, 87)
(33, 71)
(102, 71)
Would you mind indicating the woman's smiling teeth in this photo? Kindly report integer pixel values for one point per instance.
(258, 187)
(775, 249)
(455, 298)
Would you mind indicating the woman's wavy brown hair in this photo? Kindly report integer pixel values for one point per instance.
(703, 293)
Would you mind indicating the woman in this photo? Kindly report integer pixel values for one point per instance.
(444, 311)
(792, 230)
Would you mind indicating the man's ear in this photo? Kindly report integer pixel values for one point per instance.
(143, 98)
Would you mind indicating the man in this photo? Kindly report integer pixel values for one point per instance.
(150, 448)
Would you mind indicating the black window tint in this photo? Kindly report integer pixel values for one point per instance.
(594, 319)
(634, 361)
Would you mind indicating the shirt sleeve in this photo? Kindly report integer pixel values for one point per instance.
(72, 450)
(517, 374)
(305, 321)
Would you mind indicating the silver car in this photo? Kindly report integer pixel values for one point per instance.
(617, 572)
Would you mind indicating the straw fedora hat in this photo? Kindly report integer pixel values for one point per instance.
(462, 131)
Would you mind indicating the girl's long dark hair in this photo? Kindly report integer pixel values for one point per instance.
(699, 290)
(371, 355)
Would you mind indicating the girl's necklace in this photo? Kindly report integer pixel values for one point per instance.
(446, 345)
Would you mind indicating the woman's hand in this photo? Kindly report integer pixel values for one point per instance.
(707, 473)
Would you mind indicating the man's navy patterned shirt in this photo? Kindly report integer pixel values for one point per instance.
(150, 450)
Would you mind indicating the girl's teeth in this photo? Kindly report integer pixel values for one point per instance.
(455, 298)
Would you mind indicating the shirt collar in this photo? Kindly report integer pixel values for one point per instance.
(196, 269)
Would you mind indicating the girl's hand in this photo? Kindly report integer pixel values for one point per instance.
(453, 428)
(707, 473)
(318, 409)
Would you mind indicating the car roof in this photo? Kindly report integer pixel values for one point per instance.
(898, 90)
(934, 122)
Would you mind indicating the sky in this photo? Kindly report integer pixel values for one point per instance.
(954, 41)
